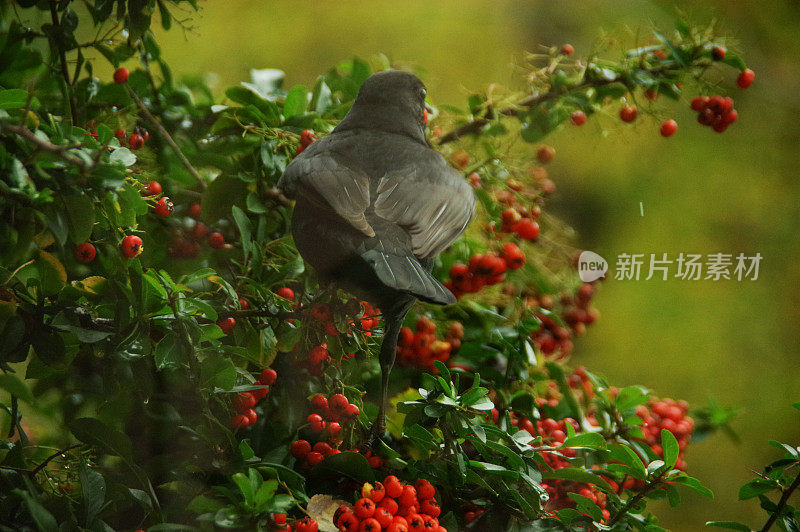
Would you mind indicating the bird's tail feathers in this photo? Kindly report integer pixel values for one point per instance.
(407, 274)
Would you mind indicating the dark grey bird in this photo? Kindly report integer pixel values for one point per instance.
(375, 204)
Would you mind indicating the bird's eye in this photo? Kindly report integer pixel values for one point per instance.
(423, 92)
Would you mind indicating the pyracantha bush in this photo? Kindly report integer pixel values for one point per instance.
(168, 362)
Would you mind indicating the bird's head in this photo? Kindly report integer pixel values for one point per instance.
(391, 100)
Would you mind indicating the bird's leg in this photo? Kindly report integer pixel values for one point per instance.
(386, 358)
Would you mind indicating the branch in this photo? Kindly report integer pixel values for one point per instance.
(787, 492)
(46, 145)
(62, 54)
(35, 470)
(164, 133)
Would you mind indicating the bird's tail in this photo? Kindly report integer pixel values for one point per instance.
(407, 274)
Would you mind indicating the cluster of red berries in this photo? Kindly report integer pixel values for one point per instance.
(307, 138)
(484, 269)
(553, 433)
(553, 338)
(421, 349)
(322, 314)
(522, 223)
(670, 415)
(137, 139)
(391, 506)
(306, 524)
(245, 402)
(716, 112)
(325, 424)
(185, 242)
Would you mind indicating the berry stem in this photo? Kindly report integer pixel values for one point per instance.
(165, 134)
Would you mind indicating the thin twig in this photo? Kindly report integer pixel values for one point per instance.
(165, 134)
(787, 492)
(46, 145)
(62, 54)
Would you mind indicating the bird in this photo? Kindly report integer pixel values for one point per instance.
(375, 204)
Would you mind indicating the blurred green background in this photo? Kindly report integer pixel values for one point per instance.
(735, 342)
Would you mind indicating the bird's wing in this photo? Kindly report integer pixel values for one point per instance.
(328, 182)
(431, 200)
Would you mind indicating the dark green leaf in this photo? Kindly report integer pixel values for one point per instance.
(13, 385)
(98, 434)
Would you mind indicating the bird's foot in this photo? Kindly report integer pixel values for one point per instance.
(376, 433)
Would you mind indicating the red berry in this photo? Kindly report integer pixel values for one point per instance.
(153, 188)
(120, 135)
(135, 142)
(718, 53)
(306, 524)
(334, 429)
(338, 402)
(131, 246)
(322, 448)
(319, 402)
(513, 256)
(383, 516)
(227, 324)
(314, 458)
(651, 94)
(352, 411)
(567, 49)
(243, 304)
(460, 158)
(300, 449)
(699, 102)
(286, 293)
(195, 210)
(416, 523)
(389, 504)
(251, 415)
(745, 78)
(268, 376)
(85, 252)
(378, 492)
(578, 118)
(315, 422)
(307, 137)
(164, 207)
(628, 113)
(240, 422)
(527, 229)
(317, 355)
(409, 496)
(425, 489)
(393, 486)
(348, 522)
(545, 154)
(397, 527)
(279, 519)
(216, 240)
(369, 525)
(364, 508)
(244, 402)
(430, 507)
(121, 75)
(668, 128)
(260, 393)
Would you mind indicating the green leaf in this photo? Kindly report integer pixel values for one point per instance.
(15, 99)
(473, 395)
(587, 506)
(80, 214)
(13, 385)
(797, 405)
(243, 223)
(296, 101)
(349, 464)
(166, 353)
(217, 371)
(693, 484)
(670, 447)
(245, 486)
(44, 520)
(220, 196)
(97, 434)
(93, 488)
(590, 440)
(756, 487)
(730, 525)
